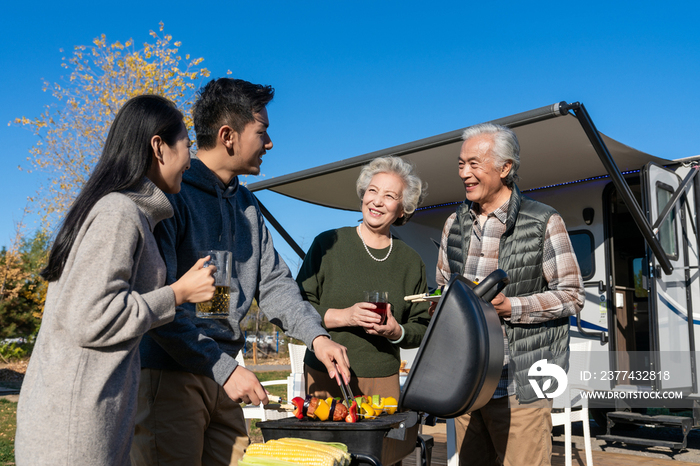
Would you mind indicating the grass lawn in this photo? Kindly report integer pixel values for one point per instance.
(279, 390)
(8, 423)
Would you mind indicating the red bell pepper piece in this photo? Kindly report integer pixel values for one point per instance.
(352, 412)
(298, 403)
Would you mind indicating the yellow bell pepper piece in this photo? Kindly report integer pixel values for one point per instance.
(390, 404)
(378, 405)
(322, 410)
(367, 411)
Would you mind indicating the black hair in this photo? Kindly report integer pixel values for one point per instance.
(227, 101)
(125, 160)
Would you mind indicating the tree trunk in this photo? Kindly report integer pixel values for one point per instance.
(255, 343)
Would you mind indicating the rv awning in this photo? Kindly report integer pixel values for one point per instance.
(553, 149)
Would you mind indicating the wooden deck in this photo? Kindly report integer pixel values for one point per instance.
(600, 458)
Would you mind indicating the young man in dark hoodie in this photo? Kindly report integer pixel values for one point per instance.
(191, 385)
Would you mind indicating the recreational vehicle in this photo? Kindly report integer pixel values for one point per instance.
(632, 218)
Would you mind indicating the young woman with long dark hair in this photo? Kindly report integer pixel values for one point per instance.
(106, 289)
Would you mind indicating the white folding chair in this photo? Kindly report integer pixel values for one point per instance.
(452, 455)
(578, 361)
(251, 412)
(295, 381)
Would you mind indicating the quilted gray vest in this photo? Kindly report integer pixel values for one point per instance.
(520, 255)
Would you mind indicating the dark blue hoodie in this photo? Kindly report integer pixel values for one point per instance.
(209, 215)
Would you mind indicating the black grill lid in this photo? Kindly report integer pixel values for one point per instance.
(460, 359)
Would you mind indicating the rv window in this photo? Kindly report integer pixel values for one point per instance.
(640, 278)
(582, 241)
(667, 230)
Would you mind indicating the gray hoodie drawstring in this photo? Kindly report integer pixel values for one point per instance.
(221, 209)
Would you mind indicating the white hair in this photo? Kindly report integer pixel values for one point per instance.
(414, 190)
(505, 147)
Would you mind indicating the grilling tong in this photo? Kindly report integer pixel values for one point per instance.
(345, 388)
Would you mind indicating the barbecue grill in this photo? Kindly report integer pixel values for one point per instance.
(384, 440)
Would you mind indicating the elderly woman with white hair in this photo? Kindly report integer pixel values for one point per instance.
(344, 263)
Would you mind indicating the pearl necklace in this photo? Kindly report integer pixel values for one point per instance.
(391, 245)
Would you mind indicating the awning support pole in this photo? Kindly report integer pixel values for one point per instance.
(622, 187)
(273, 221)
(674, 199)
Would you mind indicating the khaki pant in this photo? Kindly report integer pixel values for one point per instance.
(504, 432)
(186, 419)
(320, 385)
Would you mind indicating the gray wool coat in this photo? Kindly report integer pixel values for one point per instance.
(78, 400)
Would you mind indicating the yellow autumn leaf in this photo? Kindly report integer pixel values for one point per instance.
(100, 78)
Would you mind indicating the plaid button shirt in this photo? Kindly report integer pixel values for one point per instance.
(564, 298)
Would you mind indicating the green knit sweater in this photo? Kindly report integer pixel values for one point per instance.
(335, 274)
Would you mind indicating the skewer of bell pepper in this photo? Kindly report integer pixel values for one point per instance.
(337, 411)
(317, 408)
(311, 406)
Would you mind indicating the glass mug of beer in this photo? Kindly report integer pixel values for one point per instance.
(381, 300)
(218, 306)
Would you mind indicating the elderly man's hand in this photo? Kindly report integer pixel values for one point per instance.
(333, 355)
(502, 305)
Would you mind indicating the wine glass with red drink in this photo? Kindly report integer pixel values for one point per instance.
(381, 300)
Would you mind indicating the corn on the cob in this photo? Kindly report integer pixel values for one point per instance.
(292, 453)
(341, 456)
(263, 461)
(338, 445)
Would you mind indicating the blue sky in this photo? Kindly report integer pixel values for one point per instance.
(355, 77)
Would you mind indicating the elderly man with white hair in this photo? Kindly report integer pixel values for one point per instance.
(498, 227)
